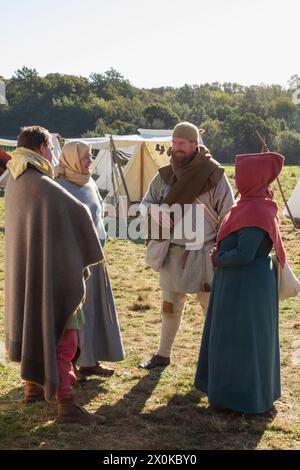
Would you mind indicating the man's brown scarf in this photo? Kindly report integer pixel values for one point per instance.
(200, 175)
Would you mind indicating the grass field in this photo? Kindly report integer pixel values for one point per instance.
(157, 409)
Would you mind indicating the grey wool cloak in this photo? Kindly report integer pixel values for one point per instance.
(100, 337)
(50, 240)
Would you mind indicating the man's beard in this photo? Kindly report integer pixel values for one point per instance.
(181, 161)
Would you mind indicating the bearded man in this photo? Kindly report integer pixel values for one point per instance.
(192, 177)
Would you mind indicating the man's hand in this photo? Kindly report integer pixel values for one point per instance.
(213, 254)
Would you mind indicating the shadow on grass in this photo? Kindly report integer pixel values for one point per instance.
(202, 427)
(132, 403)
(182, 421)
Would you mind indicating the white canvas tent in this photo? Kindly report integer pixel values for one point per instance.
(7, 144)
(146, 133)
(149, 155)
(294, 202)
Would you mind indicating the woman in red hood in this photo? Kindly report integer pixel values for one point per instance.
(239, 365)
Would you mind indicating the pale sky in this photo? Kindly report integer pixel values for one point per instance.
(154, 42)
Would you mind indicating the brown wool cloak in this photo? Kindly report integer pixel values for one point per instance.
(50, 240)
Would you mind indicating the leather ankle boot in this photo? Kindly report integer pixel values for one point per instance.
(69, 412)
(33, 392)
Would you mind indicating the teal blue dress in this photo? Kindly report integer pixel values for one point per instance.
(239, 364)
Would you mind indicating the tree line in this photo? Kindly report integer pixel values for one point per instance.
(77, 106)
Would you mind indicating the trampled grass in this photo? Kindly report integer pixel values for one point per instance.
(157, 409)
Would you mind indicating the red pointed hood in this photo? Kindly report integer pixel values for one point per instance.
(256, 207)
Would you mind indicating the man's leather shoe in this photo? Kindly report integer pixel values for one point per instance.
(97, 369)
(155, 361)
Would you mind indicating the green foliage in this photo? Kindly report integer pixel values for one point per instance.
(288, 143)
(160, 116)
(109, 103)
